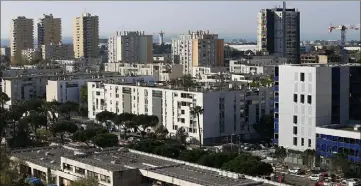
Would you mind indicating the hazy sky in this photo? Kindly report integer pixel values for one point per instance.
(227, 18)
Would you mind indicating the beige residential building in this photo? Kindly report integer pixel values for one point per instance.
(198, 48)
(86, 36)
(57, 52)
(21, 37)
(130, 47)
(49, 30)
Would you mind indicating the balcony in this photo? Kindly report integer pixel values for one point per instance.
(276, 88)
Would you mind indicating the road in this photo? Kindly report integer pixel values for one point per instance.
(300, 180)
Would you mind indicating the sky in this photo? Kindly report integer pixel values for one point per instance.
(227, 18)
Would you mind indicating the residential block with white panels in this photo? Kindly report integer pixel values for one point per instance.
(309, 98)
(198, 48)
(226, 112)
(130, 47)
(161, 71)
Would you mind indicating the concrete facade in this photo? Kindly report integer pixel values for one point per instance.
(21, 37)
(86, 36)
(49, 30)
(57, 52)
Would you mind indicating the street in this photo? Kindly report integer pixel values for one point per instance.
(299, 180)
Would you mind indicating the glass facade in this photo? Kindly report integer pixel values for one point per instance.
(276, 77)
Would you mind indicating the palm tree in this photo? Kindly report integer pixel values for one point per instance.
(196, 112)
(3, 99)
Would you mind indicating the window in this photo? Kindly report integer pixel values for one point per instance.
(295, 130)
(309, 143)
(295, 98)
(302, 77)
(295, 141)
(295, 119)
(302, 141)
(309, 99)
(302, 98)
(182, 111)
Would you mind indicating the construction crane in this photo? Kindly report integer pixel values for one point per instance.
(343, 29)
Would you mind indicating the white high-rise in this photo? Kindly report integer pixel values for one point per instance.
(198, 48)
(130, 47)
(279, 32)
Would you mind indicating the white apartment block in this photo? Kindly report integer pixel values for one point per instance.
(162, 58)
(227, 112)
(161, 71)
(210, 74)
(239, 67)
(21, 88)
(130, 47)
(198, 48)
(311, 96)
(57, 51)
(30, 54)
(69, 89)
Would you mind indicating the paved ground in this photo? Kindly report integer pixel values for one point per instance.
(299, 180)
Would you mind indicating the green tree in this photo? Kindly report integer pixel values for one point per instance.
(105, 116)
(170, 151)
(51, 109)
(216, 159)
(123, 121)
(88, 181)
(146, 145)
(339, 163)
(182, 135)
(89, 133)
(106, 140)
(161, 132)
(265, 127)
(62, 127)
(65, 109)
(144, 121)
(84, 94)
(280, 153)
(36, 120)
(249, 165)
(196, 112)
(9, 174)
(3, 99)
(309, 157)
(192, 155)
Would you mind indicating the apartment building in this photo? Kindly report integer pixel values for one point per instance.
(21, 88)
(86, 36)
(49, 30)
(59, 51)
(21, 37)
(61, 165)
(5, 51)
(279, 32)
(242, 67)
(161, 71)
(69, 89)
(130, 47)
(30, 54)
(198, 48)
(314, 102)
(227, 112)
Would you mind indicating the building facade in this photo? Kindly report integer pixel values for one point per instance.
(227, 113)
(198, 48)
(130, 47)
(57, 51)
(279, 32)
(86, 36)
(29, 55)
(21, 37)
(49, 30)
(310, 99)
(5, 51)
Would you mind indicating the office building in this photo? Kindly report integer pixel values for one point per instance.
(121, 166)
(86, 36)
(49, 30)
(57, 51)
(130, 47)
(198, 48)
(314, 103)
(279, 32)
(21, 37)
(227, 113)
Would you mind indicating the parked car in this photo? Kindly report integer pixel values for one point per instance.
(353, 182)
(295, 170)
(314, 177)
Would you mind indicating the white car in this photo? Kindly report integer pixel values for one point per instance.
(353, 181)
(314, 177)
(295, 170)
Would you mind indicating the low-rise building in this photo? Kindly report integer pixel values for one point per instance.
(57, 52)
(120, 166)
(225, 109)
(5, 51)
(240, 67)
(31, 54)
(161, 71)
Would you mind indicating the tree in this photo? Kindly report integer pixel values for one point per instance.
(36, 120)
(192, 155)
(182, 135)
(339, 163)
(123, 121)
(216, 160)
(9, 174)
(280, 153)
(3, 99)
(309, 157)
(62, 127)
(265, 127)
(89, 133)
(88, 181)
(51, 109)
(84, 94)
(144, 121)
(196, 112)
(248, 164)
(170, 151)
(105, 116)
(65, 109)
(106, 140)
(161, 132)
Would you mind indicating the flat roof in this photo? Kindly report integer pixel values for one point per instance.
(325, 65)
(127, 160)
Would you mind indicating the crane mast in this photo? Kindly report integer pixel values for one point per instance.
(343, 29)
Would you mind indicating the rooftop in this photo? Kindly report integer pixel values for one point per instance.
(325, 65)
(115, 159)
